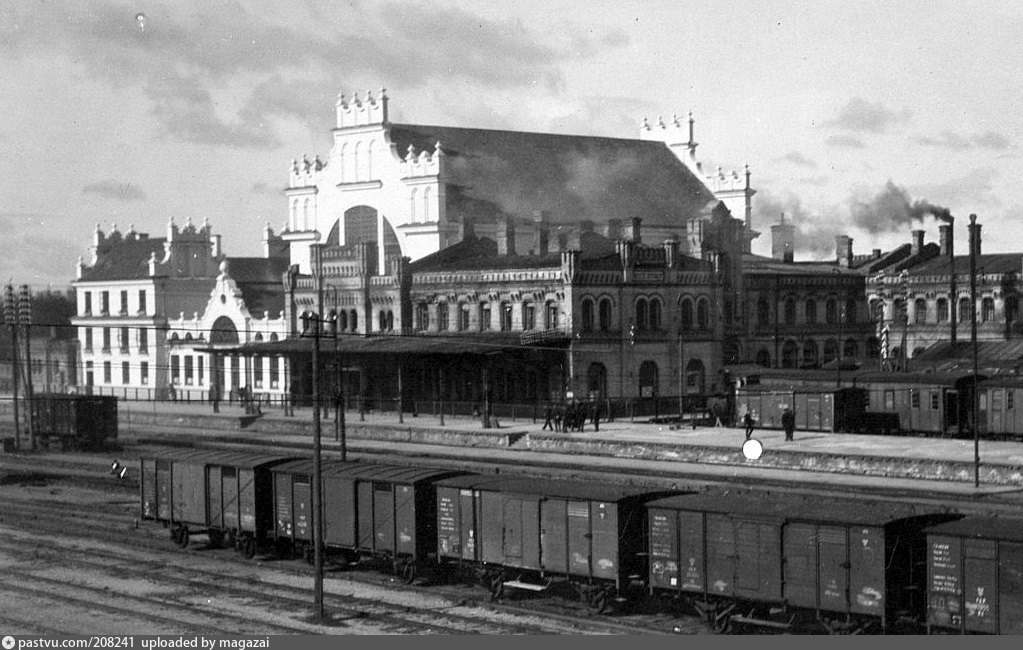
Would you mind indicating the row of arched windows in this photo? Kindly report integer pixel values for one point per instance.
(419, 205)
(834, 312)
(964, 313)
(529, 319)
(356, 162)
(649, 314)
(794, 355)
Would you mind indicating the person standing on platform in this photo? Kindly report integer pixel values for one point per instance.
(548, 414)
(788, 422)
(747, 420)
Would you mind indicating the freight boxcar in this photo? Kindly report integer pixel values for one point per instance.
(788, 561)
(225, 495)
(77, 421)
(999, 412)
(836, 409)
(975, 576)
(528, 533)
(369, 510)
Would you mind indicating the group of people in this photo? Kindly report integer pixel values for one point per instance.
(788, 423)
(572, 416)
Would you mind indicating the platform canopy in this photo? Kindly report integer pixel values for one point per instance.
(480, 344)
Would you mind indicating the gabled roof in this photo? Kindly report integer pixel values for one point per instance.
(493, 174)
(991, 263)
(127, 259)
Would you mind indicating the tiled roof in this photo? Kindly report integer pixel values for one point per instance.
(127, 259)
(493, 174)
(260, 282)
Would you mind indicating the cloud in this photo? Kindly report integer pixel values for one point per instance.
(846, 141)
(111, 189)
(862, 116)
(975, 188)
(185, 59)
(264, 188)
(989, 140)
(799, 159)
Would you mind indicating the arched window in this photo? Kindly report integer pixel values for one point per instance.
(412, 205)
(306, 223)
(763, 358)
(257, 338)
(528, 316)
(382, 320)
(342, 321)
(830, 350)
(641, 314)
(686, 314)
(849, 315)
(353, 320)
(831, 311)
(648, 379)
(506, 317)
(965, 310)
(442, 317)
(919, 311)
(850, 348)
(369, 161)
(655, 314)
(605, 314)
(551, 320)
(273, 337)
(696, 378)
(587, 315)
(463, 317)
(356, 167)
(345, 174)
(987, 310)
(873, 348)
(426, 204)
(422, 316)
(790, 311)
(763, 313)
(223, 331)
(789, 354)
(596, 381)
(702, 314)
(484, 316)
(811, 312)
(1011, 309)
(942, 309)
(390, 320)
(810, 352)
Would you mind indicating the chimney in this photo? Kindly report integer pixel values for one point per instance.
(614, 229)
(783, 241)
(917, 241)
(945, 239)
(506, 237)
(543, 232)
(468, 228)
(876, 253)
(636, 234)
(844, 250)
(974, 236)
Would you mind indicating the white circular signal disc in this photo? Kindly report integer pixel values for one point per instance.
(752, 449)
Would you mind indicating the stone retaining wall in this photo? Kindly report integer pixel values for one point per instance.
(792, 460)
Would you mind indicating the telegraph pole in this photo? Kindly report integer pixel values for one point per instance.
(974, 247)
(11, 318)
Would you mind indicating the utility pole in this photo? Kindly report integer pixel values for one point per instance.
(974, 247)
(11, 318)
(25, 316)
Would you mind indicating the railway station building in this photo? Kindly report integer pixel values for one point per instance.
(466, 264)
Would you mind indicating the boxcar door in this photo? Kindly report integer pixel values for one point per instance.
(303, 509)
(448, 521)
(229, 495)
(579, 538)
(364, 492)
(980, 585)
(1010, 588)
(512, 533)
(720, 555)
(214, 502)
(944, 581)
(604, 551)
(827, 411)
(692, 552)
(148, 487)
(164, 493)
(867, 570)
(800, 566)
(383, 516)
(246, 491)
(553, 538)
(285, 513)
(833, 563)
(467, 523)
(405, 519)
(758, 560)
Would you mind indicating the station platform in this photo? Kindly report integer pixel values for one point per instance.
(904, 463)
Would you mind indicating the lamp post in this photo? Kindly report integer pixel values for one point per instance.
(974, 246)
(311, 324)
(11, 319)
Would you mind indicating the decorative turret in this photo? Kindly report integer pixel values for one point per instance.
(362, 112)
(422, 163)
(304, 172)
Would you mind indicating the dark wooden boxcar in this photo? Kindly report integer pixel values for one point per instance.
(772, 560)
(226, 495)
(999, 410)
(77, 421)
(837, 409)
(975, 576)
(524, 532)
(377, 510)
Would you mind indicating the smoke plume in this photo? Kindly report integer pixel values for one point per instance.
(891, 210)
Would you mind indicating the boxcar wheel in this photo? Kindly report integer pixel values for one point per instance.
(309, 555)
(183, 537)
(496, 585)
(216, 538)
(597, 601)
(409, 571)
